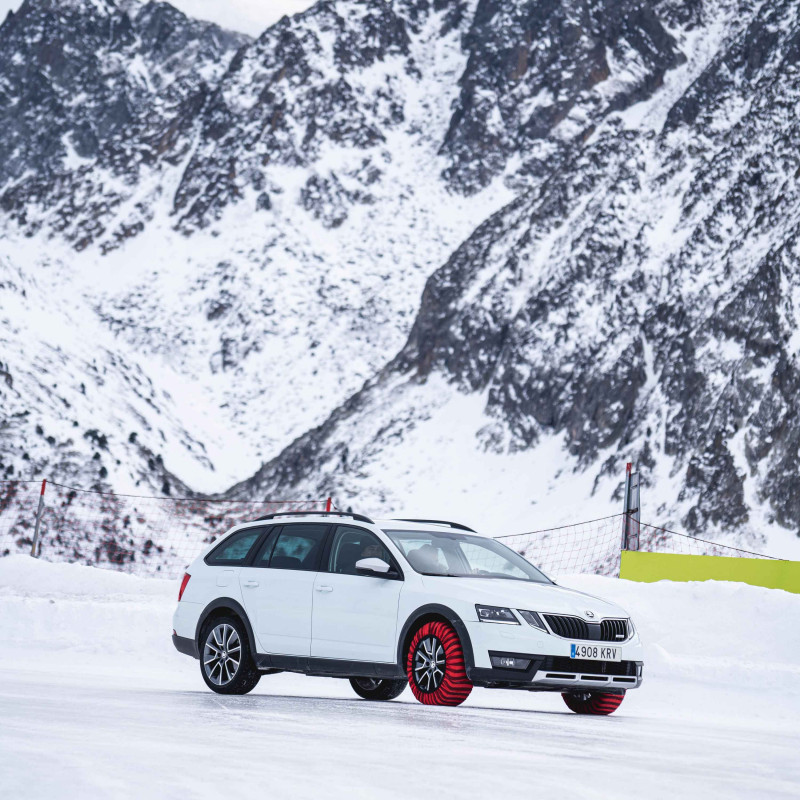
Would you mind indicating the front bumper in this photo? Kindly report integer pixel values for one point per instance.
(559, 673)
(551, 668)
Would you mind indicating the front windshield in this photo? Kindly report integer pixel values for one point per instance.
(458, 555)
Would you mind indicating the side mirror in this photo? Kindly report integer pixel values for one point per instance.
(373, 566)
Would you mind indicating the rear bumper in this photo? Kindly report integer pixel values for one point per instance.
(558, 673)
(186, 646)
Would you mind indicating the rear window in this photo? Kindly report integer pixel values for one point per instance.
(235, 549)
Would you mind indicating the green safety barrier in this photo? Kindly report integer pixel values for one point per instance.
(649, 567)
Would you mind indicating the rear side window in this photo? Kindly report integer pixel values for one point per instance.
(235, 549)
(265, 549)
(299, 547)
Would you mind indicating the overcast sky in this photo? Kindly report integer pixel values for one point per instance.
(248, 16)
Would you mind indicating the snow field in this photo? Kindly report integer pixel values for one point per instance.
(91, 687)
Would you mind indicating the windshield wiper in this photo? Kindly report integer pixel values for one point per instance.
(443, 575)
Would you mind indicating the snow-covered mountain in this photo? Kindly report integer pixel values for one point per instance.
(440, 256)
(265, 273)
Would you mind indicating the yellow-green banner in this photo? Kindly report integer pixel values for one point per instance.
(649, 567)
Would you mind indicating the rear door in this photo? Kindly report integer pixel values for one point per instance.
(278, 586)
(227, 560)
(355, 616)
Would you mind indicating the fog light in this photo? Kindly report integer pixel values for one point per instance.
(510, 662)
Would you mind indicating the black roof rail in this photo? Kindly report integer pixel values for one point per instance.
(358, 517)
(456, 525)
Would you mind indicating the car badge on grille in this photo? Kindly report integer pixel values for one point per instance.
(590, 614)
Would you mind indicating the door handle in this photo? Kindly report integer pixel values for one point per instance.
(324, 588)
(251, 583)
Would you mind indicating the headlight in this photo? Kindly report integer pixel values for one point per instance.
(533, 619)
(505, 616)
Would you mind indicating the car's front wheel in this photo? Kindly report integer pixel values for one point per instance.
(378, 689)
(603, 703)
(226, 662)
(435, 666)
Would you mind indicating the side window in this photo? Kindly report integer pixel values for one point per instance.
(299, 547)
(351, 545)
(423, 555)
(265, 549)
(235, 548)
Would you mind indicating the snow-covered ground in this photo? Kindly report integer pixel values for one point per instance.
(95, 703)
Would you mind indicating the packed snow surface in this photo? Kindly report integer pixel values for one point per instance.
(95, 702)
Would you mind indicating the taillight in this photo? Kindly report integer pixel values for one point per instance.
(185, 580)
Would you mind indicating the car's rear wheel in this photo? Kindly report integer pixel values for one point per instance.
(377, 688)
(226, 662)
(593, 702)
(435, 666)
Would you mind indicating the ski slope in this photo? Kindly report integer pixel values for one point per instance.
(95, 703)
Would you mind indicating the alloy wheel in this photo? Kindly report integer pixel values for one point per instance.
(429, 664)
(222, 654)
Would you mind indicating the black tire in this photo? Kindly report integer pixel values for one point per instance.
(221, 641)
(597, 703)
(376, 689)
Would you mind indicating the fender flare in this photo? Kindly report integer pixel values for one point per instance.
(226, 602)
(451, 617)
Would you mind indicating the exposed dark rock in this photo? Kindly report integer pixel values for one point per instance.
(535, 63)
(119, 94)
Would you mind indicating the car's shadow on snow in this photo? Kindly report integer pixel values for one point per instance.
(396, 708)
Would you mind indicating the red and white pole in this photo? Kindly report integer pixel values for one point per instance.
(329, 504)
(39, 512)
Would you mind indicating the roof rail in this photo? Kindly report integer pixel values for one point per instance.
(358, 517)
(456, 525)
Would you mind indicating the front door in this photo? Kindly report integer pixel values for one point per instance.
(278, 588)
(355, 616)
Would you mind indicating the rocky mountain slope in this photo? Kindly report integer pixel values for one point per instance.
(641, 300)
(93, 98)
(596, 201)
(253, 288)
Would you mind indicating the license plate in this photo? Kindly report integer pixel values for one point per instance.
(595, 652)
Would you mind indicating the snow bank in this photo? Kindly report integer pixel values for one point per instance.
(720, 630)
(64, 612)
(23, 576)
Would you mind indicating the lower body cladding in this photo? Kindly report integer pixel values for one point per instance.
(541, 673)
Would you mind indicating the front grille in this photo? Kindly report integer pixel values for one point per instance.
(613, 630)
(568, 627)
(609, 630)
(578, 665)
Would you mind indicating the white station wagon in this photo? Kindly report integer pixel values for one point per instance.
(426, 603)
